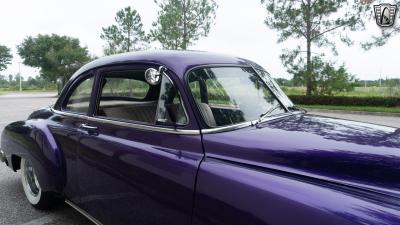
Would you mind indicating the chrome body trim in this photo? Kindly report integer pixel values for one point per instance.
(246, 124)
(83, 212)
(2, 156)
(128, 124)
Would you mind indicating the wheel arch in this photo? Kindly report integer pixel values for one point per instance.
(15, 162)
(32, 140)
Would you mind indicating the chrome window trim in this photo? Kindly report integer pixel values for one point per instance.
(177, 131)
(247, 124)
(128, 124)
(83, 212)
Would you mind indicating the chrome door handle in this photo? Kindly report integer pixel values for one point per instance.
(89, 129)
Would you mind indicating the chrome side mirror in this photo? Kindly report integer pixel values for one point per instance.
(153, 76)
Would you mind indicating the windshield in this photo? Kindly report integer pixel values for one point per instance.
(232, 95)
(275, 87)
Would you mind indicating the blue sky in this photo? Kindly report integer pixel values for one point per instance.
(239, 30)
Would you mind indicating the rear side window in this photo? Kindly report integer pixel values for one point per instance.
(125, 87)
(126, 96)
(79, 100)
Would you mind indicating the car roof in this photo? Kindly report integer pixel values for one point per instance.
(178, 61)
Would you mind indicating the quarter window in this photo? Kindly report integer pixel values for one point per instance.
(79, 100)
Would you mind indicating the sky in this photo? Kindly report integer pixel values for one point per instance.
(239, 30)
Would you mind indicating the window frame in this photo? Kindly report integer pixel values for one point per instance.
(72, 87)
(209, 129)
(100, 74)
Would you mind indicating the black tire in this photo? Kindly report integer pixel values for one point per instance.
(34, 194)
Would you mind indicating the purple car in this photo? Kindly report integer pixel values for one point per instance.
(184, 137)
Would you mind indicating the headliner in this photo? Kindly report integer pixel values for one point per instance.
(178, 61)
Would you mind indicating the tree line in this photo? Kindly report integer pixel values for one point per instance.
(12, 83)
(180, 23)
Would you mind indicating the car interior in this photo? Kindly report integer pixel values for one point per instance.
(126, 95)
(214, 111)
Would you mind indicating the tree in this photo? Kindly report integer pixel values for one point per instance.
(329, 80)
(386, 33)
(182, 22)
(315, 21)
(56, 56)
(5, 57)
(126, 35)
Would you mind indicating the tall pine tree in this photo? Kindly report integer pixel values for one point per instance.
(182, 22)
(126, 35)
(318, 23)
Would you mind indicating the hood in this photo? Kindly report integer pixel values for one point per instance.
(334, 150)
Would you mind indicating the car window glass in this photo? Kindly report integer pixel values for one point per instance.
(195, 88)
(125, 87)
(231, 95)
(126, 96)
(79, 100)
(170, 109)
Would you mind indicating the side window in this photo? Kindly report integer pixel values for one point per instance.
(126, 96)
(195, 88)
(79, 100)
(170, 109)
(125, 87)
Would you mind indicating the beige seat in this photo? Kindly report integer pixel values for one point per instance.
(143, 112)
(207, 114)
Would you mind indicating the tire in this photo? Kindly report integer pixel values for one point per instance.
(34, 194)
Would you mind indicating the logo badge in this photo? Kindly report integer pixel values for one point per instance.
(385, 14)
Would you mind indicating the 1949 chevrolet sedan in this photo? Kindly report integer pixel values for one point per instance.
(179, 137)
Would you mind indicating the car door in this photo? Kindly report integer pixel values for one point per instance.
(140, 151)
(71, 108)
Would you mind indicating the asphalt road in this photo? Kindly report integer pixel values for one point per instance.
(15, 209)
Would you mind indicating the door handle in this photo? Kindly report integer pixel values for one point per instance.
(90, 129)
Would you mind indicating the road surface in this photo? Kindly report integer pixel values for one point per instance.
(391, 121)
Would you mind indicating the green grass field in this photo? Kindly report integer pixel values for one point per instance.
(357, 92)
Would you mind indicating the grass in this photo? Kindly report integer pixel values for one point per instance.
(357, 92)
(354, 108)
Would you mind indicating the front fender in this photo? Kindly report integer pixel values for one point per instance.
(32, 140)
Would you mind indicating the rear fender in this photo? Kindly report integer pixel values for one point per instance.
(32, 140)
